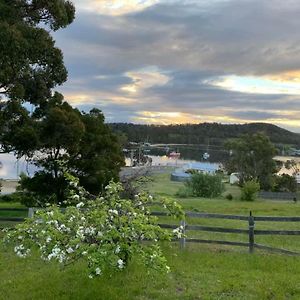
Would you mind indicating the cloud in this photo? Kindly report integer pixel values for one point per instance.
(277, 84)
(114, 7)
(202, 60)
(144, 79)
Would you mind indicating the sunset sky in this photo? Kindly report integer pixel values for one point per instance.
(185, 61)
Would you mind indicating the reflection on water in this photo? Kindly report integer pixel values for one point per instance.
(11, 168)
(164, 160)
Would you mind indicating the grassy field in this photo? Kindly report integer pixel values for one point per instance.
(162, 186)
(204, 273)
(198, 272)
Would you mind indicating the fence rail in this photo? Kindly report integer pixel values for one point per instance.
(251, 231)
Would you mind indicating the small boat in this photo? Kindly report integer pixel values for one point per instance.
(174, 154)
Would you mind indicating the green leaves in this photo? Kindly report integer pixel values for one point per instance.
(30, 64)
(106, 232)
(252, 157)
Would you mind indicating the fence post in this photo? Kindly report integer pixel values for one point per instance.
(30, 212)
(251, 233)
(182, 239)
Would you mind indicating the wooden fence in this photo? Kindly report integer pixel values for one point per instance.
(278, 195)
(251, 231)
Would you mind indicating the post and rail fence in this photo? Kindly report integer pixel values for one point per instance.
(251, 231)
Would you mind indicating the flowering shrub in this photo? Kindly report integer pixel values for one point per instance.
(106, 232)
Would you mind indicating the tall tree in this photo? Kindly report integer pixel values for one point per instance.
(80, 143)
(252, 157)
(53, 135)
(30, 64)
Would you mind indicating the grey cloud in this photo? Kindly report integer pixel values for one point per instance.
(192, 42)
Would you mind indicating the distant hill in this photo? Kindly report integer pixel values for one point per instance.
(212, 133)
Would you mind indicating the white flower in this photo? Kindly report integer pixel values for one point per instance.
(98, 271)
(70, 250)
(113, 211)
(48, 239)
(80, 204)
(91, 276)
(117, 249)
(84, 253)
(120, 263)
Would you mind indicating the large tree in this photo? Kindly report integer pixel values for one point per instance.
(30, 64)
(35, 121)
(252, 157)
(80, 143)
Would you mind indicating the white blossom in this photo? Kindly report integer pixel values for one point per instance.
(80, 204)
(98, 271)
(70, 250)
(120, 263)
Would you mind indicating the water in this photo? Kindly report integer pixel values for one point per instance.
(11, 168)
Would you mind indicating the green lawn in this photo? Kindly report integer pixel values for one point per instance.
(20, 214)
(198, 272)
(162, 186)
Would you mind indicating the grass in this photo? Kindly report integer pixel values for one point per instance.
(11, 213)
(206, 274)
(198, 272)
(162, 186)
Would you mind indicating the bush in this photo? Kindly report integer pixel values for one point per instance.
(14, 197)
(285, 183)
(249, 190)
(229, 196)
(205, 185)
(24, 198)
(104, 232)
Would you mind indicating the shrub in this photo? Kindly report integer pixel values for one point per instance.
(205, 185)
(229, 196)
(285, 183)
(106, 232)
(249, 190)
(14, 197)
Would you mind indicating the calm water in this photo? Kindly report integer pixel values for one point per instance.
(11, 168)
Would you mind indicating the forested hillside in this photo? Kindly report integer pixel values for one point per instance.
(212, 133)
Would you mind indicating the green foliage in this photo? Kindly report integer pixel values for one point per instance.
(184, 192)
(216, 133)
(30, 63)
(249, 190)
(285, 183)
(68, 140)
(229, 196)
(252, 157)
(205, 185)
(106, 232)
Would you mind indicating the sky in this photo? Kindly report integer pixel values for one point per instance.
(185, 61)
(182, 61)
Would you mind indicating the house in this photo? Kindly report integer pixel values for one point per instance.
(234, 178)
(184, 173)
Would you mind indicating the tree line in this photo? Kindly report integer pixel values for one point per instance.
(204, 133)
